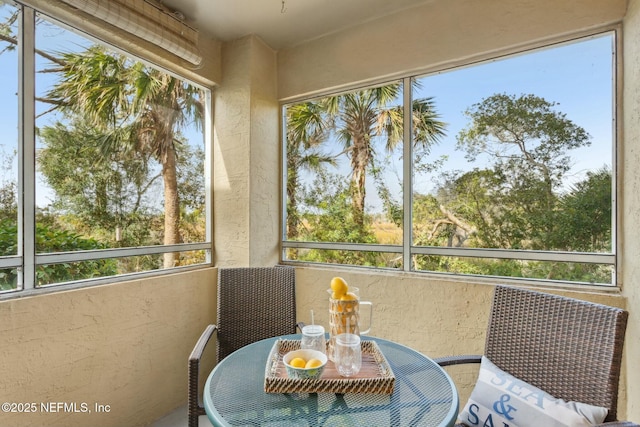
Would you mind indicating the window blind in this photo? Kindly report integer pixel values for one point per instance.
(147, 21)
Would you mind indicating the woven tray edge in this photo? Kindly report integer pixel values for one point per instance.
(381, 385)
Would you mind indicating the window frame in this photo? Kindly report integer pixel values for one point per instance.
(407, 250)
(27, 259)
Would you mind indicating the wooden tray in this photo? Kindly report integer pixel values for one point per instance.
(375, 376)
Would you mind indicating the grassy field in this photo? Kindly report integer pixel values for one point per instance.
(387, 233)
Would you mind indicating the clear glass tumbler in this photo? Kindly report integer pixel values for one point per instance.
(348, 354)
(313, 338)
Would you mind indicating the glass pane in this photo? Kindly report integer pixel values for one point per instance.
(345, 257)
(8, 279)
(51, 274)
(120, 150)
(526, 159)
(9, 108)
(344, 167)
(594, 274)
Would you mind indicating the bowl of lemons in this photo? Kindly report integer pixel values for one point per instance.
(304, 364)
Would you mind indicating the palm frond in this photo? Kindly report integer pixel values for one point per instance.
(427, 129)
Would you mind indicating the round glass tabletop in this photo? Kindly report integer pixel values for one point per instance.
(424, 394)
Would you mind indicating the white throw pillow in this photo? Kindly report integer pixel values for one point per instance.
(502, 400)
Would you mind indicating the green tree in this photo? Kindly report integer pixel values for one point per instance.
(585, 214)
(519, 199)
(523, 132)
(527, 143)
(104, 189)
(8, 203)
(137, 108)
(50, 239)
(482, 209)
(108, 193)
(329, 218)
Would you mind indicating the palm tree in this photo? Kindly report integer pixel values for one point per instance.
(306, 129)
(363, 115)
(138, 108)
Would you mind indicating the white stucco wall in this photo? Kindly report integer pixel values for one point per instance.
(246, 156)
(124, 345)
(431, 36)
(631, 200)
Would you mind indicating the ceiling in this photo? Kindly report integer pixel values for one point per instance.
(282, 24)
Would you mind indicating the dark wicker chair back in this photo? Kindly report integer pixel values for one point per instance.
(254, 303)
(571, 349)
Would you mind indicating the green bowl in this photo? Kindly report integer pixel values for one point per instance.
(304, 373)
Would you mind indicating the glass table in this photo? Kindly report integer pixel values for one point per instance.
(424, 394)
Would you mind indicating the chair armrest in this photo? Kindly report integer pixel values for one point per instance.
(194, 407)
(198, 349)
(457, 360)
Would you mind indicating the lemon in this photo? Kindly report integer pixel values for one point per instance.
(349, 296)
(313, 363)
(298, 362)
(339, 287)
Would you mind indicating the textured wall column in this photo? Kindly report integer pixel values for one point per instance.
(630, 179)
(246, 156)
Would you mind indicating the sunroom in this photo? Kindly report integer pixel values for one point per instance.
(120, 338)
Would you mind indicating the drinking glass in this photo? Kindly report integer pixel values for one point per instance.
(313, 338)
(348, 354)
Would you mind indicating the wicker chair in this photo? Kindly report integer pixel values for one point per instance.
(254, 303)
(571, 349)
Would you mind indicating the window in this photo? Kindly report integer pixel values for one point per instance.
(506, 170)
(9, 108)
(103, 159)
